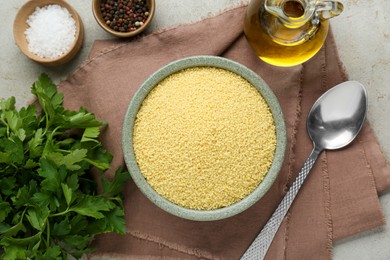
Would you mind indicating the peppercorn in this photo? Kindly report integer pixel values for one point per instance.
(124, 15)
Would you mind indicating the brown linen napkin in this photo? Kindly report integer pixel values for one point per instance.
(339, 199)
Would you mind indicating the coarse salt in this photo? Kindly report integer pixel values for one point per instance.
(51, 32)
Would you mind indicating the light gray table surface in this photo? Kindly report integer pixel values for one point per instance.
(362, 35)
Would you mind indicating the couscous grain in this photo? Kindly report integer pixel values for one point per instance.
(204, 138)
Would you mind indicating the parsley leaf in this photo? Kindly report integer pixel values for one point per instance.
(90, 134)
(49, 206)
(5, 209)
(67, 193)
(11, 150)
(93, 206)
(35, 144)
(113, 221)
(38, 217)
(115, 187)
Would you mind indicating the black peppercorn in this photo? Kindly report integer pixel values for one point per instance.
(124, 15)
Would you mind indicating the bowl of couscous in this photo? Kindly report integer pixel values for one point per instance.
(204, 138)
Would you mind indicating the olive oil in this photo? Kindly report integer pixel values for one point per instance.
(278, 44)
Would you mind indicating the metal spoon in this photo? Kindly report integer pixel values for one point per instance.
(333, 122)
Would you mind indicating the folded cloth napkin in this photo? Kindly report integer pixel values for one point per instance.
(339, 199)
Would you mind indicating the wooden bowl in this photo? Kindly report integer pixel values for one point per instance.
(99, 18)
(20, 26)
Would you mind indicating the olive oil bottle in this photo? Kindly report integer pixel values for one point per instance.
(288, 32)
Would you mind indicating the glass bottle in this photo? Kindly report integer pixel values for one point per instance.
(288, 32)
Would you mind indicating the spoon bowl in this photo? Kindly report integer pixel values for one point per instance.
(338, 115)
(333, 122)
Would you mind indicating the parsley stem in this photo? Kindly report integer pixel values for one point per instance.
(48, 234)
(60, 213)
(21, 218)
(5, 123)
(63, 151)
(47, 123)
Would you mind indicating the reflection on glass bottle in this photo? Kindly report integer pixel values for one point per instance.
(288, 32)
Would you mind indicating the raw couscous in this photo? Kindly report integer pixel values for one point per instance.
(204, 138)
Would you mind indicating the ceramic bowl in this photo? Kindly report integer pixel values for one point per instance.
(135, 104)
(99, 19)
(20, 27)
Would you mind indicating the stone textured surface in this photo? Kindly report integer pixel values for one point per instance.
(362, 34)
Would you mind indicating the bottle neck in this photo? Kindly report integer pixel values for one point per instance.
(292, 13)
(296, 13)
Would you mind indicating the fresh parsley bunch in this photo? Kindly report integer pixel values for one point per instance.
(49, 207)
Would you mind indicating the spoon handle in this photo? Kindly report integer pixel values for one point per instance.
(259, 247)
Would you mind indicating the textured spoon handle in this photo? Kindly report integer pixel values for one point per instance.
(259, 247)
